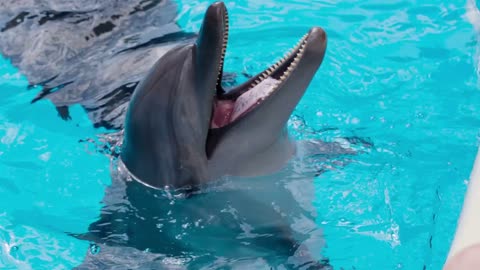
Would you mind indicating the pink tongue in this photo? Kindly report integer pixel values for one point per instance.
(222, 112)
(227, 111)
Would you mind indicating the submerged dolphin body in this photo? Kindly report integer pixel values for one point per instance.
(182, 130)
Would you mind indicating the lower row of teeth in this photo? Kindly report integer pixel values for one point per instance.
(265, 84)
(298, 49)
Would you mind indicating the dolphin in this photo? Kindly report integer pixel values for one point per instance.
(205, 166)
(204, 173)
(182, 129)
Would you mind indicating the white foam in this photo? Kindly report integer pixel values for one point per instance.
(254, 95)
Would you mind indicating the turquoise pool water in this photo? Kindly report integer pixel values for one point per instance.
(400, 75)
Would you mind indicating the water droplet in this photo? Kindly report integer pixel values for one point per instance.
(14, 251)
(94, 249)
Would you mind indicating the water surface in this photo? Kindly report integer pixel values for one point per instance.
(400, 75)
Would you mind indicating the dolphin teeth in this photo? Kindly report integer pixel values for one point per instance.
(289, 53)
(224, 46)
(293, 57)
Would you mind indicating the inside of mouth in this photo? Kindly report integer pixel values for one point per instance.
(229, 108)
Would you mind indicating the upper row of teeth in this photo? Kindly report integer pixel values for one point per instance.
(299, 48)
(224, 47)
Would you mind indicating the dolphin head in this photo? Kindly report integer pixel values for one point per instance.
(180, 119)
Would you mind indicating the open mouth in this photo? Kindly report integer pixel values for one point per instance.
(239, 101)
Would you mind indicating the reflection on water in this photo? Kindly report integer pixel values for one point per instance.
(93, 53)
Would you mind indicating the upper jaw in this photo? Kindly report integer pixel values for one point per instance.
(207, 60)
(211, 45)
